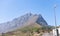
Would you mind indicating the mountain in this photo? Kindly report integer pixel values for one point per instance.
(22, 21)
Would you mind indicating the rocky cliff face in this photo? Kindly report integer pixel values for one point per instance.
(25, 20)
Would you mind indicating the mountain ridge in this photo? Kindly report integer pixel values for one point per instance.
(25, 20)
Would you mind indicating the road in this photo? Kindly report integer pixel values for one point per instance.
(47, 34)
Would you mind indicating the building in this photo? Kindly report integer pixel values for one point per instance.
(54, 31)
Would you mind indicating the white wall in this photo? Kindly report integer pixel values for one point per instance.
(54, 31)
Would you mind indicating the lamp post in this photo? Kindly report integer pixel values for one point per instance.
(57, 34)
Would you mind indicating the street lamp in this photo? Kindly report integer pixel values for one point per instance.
(57, 34)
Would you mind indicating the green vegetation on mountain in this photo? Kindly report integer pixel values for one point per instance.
(29, 30)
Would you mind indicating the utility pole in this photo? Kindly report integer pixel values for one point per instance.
(57, 33)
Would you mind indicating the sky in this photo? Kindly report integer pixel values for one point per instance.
(10, 9)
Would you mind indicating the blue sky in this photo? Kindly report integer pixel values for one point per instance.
(10, 9)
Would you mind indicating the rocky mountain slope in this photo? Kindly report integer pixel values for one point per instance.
(22, 21)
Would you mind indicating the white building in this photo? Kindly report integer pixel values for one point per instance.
(54, 31)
